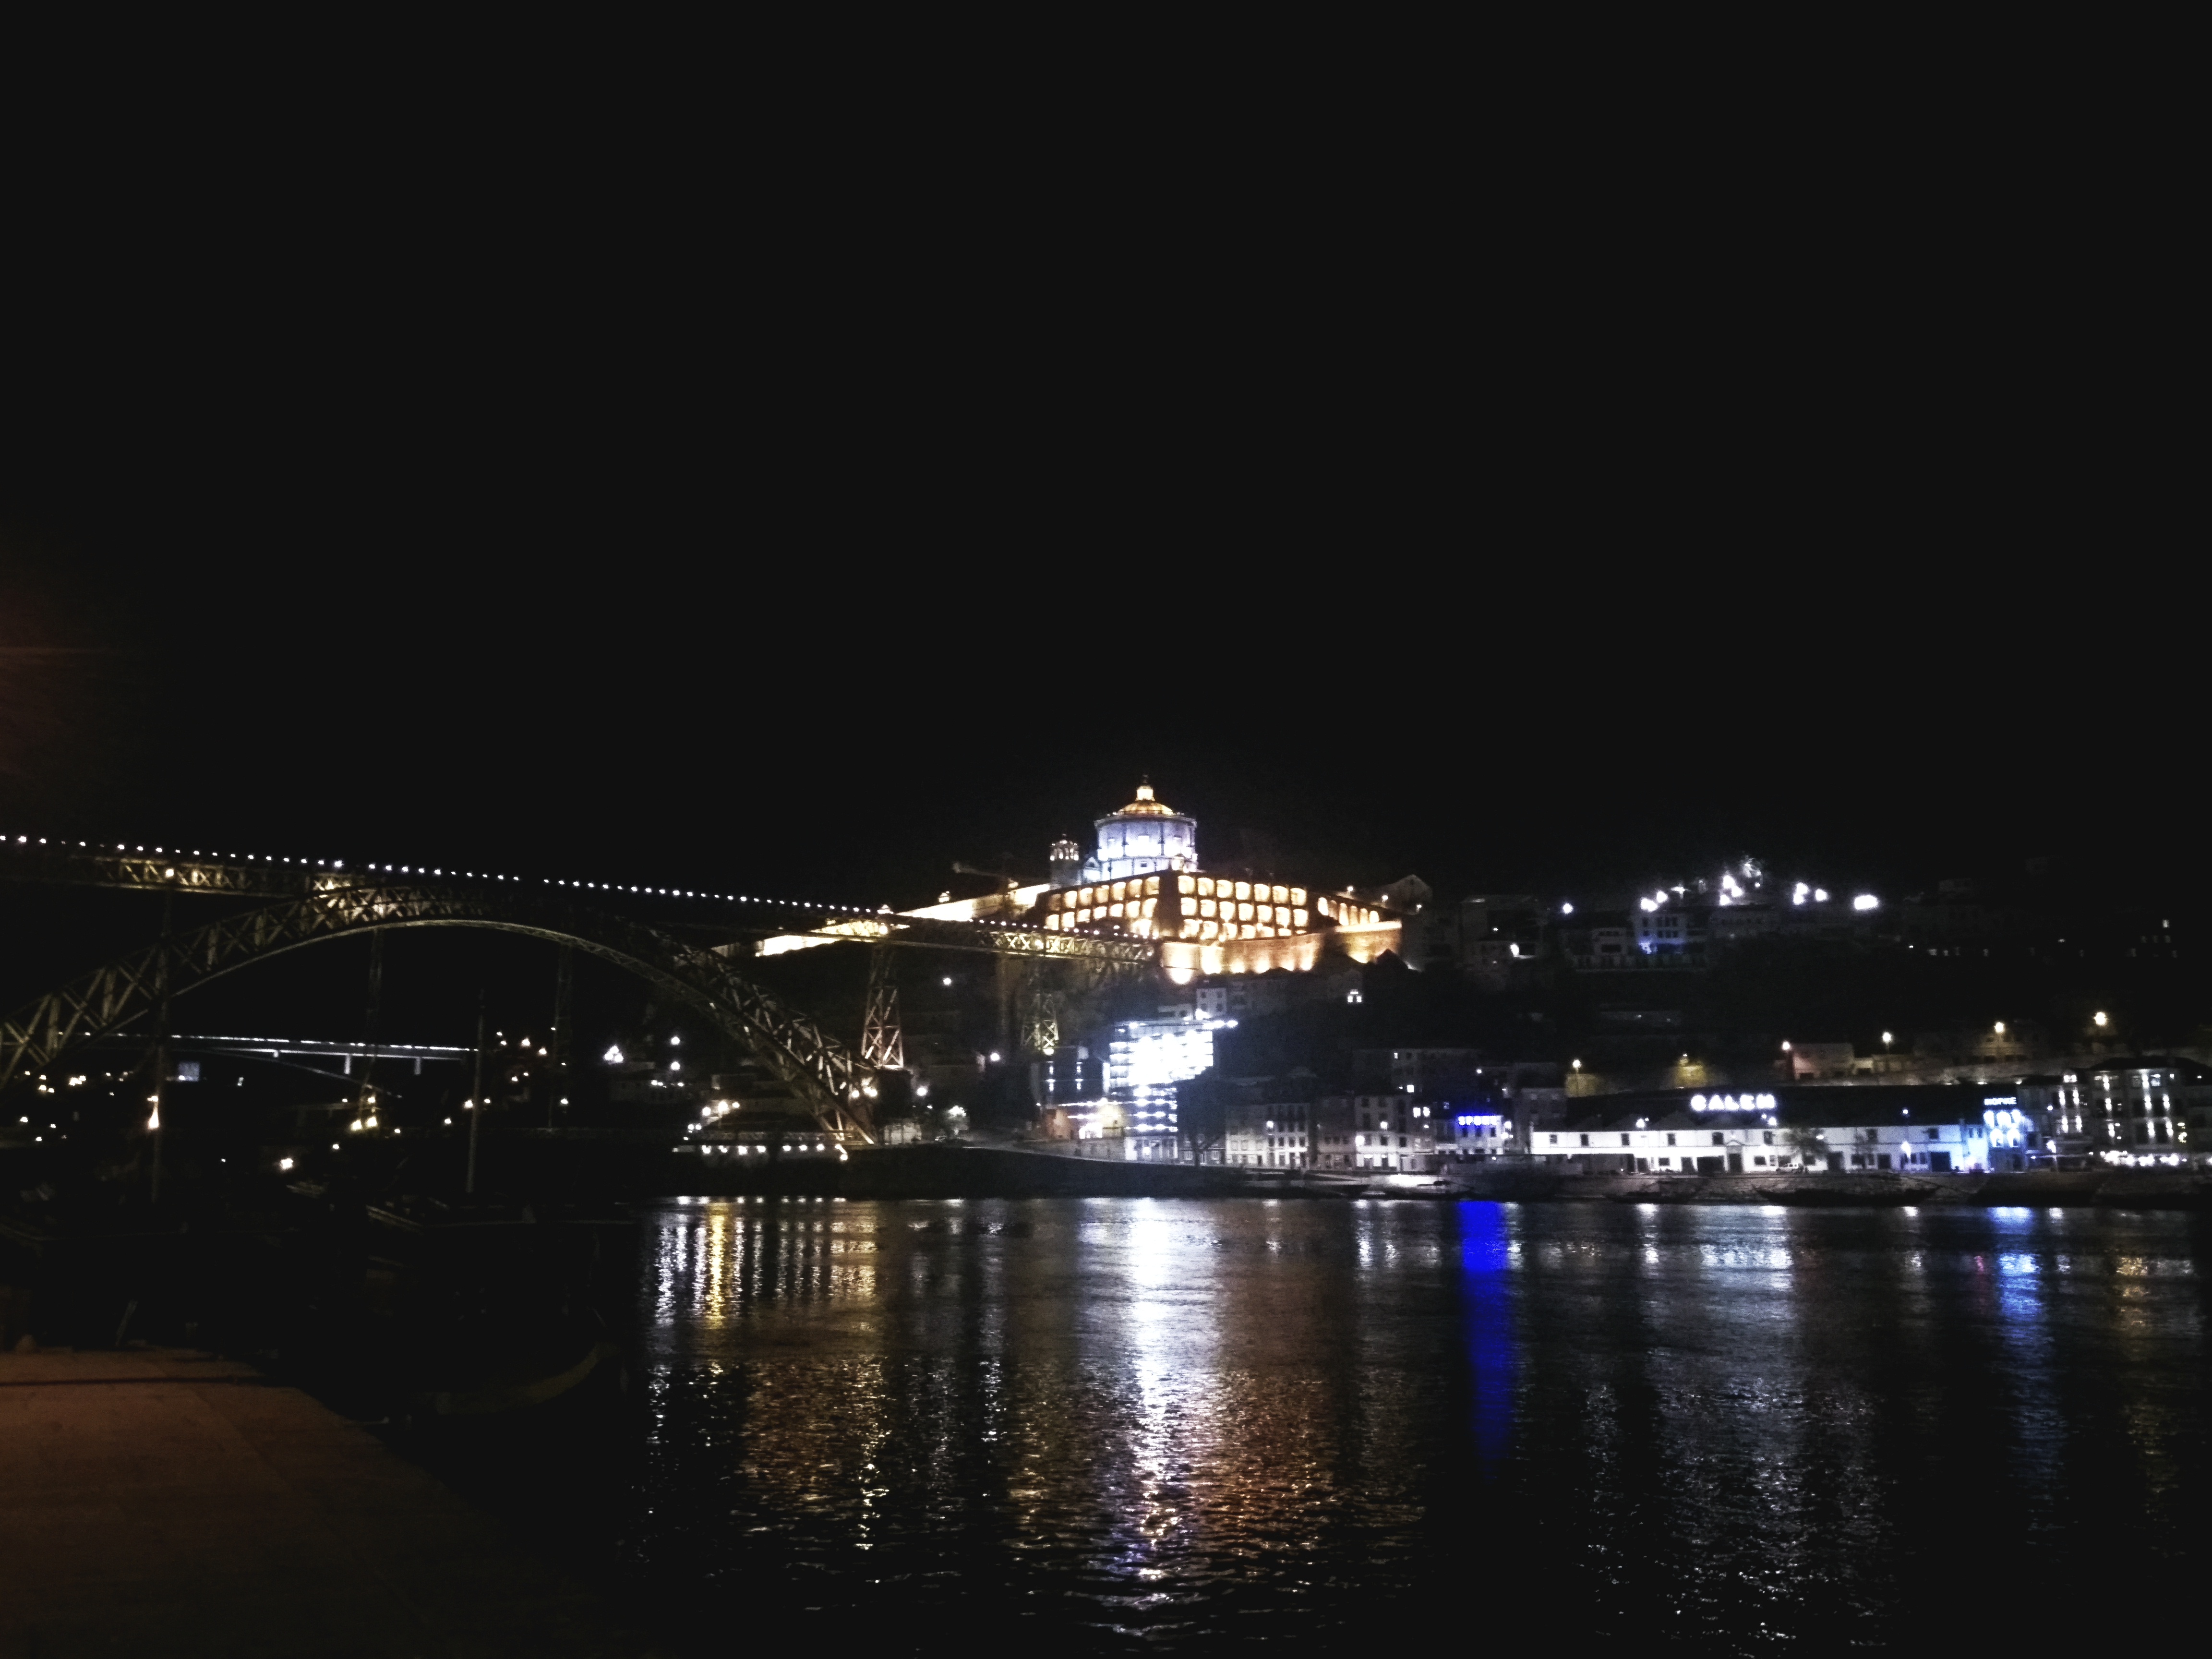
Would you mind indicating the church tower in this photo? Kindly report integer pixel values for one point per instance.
(1067, 863)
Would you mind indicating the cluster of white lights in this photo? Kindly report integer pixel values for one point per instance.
(1732, 892)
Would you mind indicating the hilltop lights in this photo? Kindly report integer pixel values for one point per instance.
(1866, 901)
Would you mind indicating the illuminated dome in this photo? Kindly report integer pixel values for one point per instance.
(1144, 805)
(1146, 835)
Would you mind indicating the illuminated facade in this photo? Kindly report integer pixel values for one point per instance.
(1145, 879)
(1186, 906)
(1867, 1130)
(1269, 1134)
(1145, 1060)
(2149, 1112)
(1391, 1132)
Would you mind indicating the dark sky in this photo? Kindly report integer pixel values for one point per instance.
(811, 563)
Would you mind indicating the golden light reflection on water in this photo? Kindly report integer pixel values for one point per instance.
(1160, 1406)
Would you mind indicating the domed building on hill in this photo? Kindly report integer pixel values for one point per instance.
(1143, 878)
(1145, 835)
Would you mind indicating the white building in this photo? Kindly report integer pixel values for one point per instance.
(1919, 1148)
(1145, 1060)
(1472, 1134)
(1392, 1132)
(2149, 1112)
(1269, 1135)
(1705, 1142)
(1841, 1130)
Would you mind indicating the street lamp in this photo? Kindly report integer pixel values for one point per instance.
(2102, 1019)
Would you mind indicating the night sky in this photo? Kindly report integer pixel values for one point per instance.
(813, 582)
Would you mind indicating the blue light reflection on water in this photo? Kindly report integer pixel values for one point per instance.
(1486, 1255)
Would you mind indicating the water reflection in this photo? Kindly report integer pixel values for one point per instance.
(1169, 1423)
(1486, 1256)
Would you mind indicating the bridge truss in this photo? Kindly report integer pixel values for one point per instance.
(316, 901)
(819, 1070)
(22, 859)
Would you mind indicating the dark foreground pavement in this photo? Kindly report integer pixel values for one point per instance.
(163, 1503)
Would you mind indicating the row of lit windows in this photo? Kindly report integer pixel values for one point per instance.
(1202, 887)
(1271, 919)
(1127, 911)
(2137, 1103)
(1139, 923)
(1337, 910)
(1258, 892)
(1280, 915)
(1091, 899)
(1195, 928)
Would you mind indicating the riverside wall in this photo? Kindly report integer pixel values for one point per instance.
(2118, 1188)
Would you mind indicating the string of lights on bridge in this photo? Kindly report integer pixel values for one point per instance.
(274, 860)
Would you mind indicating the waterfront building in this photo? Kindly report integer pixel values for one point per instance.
(1933, 1130)
(2152, 1111)
(1703, 1141)
(1392, 1132)
(1472, 1134)
(1269, 1134)
(1910, 1148)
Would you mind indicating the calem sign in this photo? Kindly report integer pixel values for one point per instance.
(1732, 1102)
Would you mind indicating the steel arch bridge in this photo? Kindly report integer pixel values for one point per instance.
(822, 1072)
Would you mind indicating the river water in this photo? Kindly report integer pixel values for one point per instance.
(1129, 1424)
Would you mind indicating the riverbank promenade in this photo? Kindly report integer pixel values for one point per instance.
(166, 1503)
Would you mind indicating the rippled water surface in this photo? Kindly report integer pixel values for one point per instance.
(1132, 1425)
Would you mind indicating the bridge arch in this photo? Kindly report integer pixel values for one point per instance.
(818, 1068)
